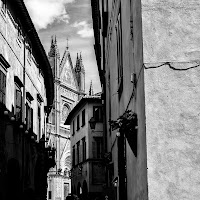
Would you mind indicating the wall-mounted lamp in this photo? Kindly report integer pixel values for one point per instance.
(5, 112)
(115, 182)
(21, 126)
(12, 119)
(118, 134)
(92, 123)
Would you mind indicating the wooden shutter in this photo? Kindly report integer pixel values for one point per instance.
(18, 105)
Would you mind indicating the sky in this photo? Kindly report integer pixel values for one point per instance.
(67, 19)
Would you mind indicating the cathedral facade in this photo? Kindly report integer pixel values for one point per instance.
(69, 87)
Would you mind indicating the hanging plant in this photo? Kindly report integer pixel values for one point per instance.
(127, 125)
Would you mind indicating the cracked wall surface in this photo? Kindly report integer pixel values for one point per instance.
(172, 93)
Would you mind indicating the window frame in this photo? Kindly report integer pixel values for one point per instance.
(29, 114)
(100, 113)
(96, 148)
(73, 127)
(77, 122)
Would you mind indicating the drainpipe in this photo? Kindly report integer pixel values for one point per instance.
(23, 110)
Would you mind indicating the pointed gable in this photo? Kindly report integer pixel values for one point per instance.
(67, 76)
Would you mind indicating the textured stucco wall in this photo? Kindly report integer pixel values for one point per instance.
(170, 33)
(172, 123)
(170, 30)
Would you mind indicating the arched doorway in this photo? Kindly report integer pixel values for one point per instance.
(79, 190)
(85, 190)
(13, 180)
(74, 190)
(28, 194)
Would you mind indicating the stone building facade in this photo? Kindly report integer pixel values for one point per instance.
(86, 130)
(25, 78)
(69, 87)
(148, 59)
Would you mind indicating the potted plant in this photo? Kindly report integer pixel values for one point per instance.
(127, 124)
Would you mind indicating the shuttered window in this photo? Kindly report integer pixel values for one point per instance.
(18, 102)
(2, 87)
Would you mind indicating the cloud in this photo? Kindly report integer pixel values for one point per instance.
(84, 29)
(45, 12)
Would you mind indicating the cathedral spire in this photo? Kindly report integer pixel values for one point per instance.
(81, 63)
(55, 41)
(80, 73)
(52, 48)
(77, 67)
(56, 47)
(91, 92)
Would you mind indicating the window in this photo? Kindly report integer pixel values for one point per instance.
(84, 148)
(97, 113)
(2, 87)
(78, 125)
(49, 194)
(73, 156)
(118, 28)
(73, 128)
(97, 147)
(65, 112)
(78, 152)
(29, 112)
(66, 190)
(18, 102)
(3, 69)
(83, 117)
